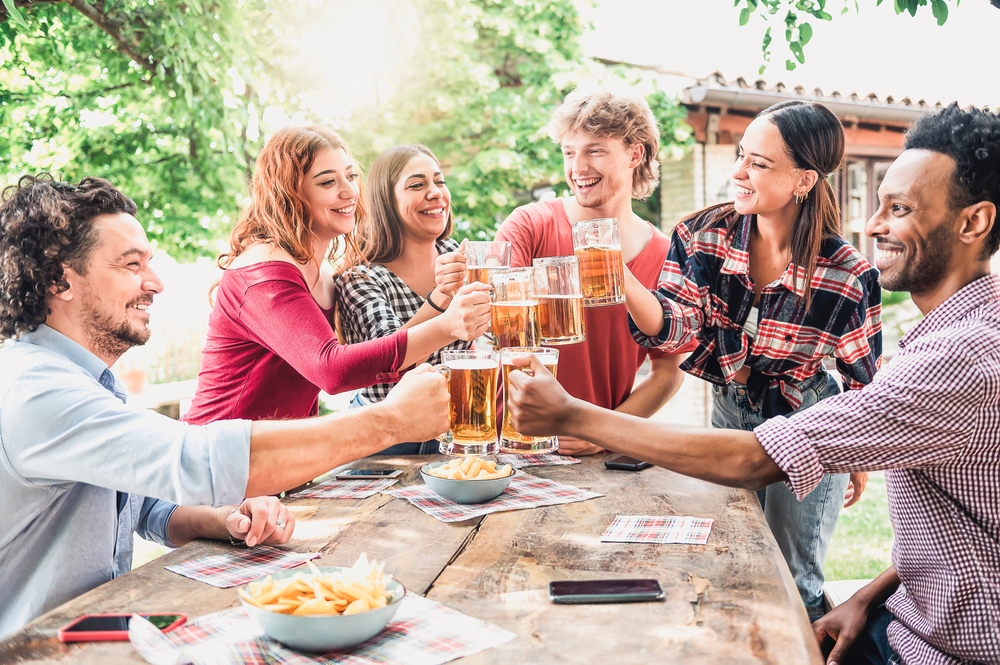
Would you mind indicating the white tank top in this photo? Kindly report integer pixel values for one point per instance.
(750, 327)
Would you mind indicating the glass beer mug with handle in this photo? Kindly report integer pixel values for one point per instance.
(514, 310)
(512, 441)
(481, 256)
(472, 380)
(598, 246)
(560, 300)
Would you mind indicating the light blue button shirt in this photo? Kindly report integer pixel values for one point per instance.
(68, 445)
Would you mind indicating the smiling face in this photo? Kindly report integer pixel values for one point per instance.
(766, 178)
(331, 189)
(914, 226)
(599, 170)
(423, 201)
(113, 296)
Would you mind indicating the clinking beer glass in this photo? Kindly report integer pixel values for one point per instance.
(472, 380)
(514, 309)
(560, 300)
(481, 256)
(512, 441)
(598, 246)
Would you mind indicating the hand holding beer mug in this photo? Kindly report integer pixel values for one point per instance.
(420, 403)
(598, 246)
(515, 308)
(537, 404)
(449, 274)
(480, 256)
(512, 441)
(472, 378)
(560, 300)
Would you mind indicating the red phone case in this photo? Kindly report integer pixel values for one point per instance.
(66, 635)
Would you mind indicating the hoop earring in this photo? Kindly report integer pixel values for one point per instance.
(799, 198)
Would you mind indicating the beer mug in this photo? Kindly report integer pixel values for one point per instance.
(480, 256)
(472, 379)
(560, 300)
(514, 310)
(512, 441)
(598, 246)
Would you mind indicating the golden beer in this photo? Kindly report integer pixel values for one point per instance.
(515, 323)
(561, 320)
(512, 441)
(477, 274)
(602, 275)
(473, 386)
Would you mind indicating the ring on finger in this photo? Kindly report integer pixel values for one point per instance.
(279, 524)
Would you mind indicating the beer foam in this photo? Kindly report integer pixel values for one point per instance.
(516, 303)
(472, 363)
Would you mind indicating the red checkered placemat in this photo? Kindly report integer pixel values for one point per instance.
(345, 489)
(548, 459)
(524, 492)
(423, 632)
(239, 566)
(658, 529)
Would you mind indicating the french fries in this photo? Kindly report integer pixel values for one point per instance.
(360, 588)
(470, 468)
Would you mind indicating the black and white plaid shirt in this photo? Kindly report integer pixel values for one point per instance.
(373, 303)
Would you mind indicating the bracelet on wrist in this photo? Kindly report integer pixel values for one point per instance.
(432, 303)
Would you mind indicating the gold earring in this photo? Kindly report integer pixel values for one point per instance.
(799, 198)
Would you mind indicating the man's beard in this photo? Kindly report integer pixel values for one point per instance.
(112, 338)
(924, 274)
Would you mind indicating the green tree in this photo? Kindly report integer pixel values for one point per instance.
(793, 16)
(158, 97)
(168, 99)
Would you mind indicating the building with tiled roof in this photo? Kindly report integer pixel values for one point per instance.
(719, 110)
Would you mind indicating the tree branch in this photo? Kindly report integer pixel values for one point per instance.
(114, 29)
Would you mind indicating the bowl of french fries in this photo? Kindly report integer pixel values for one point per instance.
(467, 479)
(325, 608)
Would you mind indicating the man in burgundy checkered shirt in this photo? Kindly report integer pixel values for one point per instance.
(931, 419)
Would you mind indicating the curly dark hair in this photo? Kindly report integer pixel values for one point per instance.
(45, 224)
(972, 138)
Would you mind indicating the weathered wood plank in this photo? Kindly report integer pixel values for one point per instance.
(732, 600)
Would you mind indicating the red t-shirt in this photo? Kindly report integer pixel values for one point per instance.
(600, 370)
(271, 348)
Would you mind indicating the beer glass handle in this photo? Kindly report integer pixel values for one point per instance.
(448, 436)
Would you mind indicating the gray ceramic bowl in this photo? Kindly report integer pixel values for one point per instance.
(465, 491)
(326, 632)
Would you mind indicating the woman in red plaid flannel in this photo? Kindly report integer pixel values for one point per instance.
(768, 289)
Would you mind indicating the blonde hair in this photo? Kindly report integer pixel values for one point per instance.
(618, 115)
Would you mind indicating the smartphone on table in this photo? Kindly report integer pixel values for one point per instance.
(573, 592)
(113, 627)
(625, 463)
(358, 474)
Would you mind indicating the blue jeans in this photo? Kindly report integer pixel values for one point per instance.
(411, 448)
(804, 528)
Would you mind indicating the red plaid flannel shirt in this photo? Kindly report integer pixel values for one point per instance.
(707, 293)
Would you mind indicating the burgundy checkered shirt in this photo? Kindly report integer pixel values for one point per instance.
(932, 419)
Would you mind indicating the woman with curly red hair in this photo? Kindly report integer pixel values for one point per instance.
(271, 345)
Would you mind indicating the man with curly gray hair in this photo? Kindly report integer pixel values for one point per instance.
(80, 471)
(609, 141)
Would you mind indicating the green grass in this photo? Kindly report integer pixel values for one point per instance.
(862, 542)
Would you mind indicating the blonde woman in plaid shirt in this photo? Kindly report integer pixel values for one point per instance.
(406, 270)
(735, 282)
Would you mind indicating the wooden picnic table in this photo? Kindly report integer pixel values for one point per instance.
(732, 600)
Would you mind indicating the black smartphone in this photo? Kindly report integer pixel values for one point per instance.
(626, 463)
(604, 591)
(356, 474)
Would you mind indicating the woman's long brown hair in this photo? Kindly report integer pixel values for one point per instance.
(278, 212)
(380, 233)
(814, 140)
